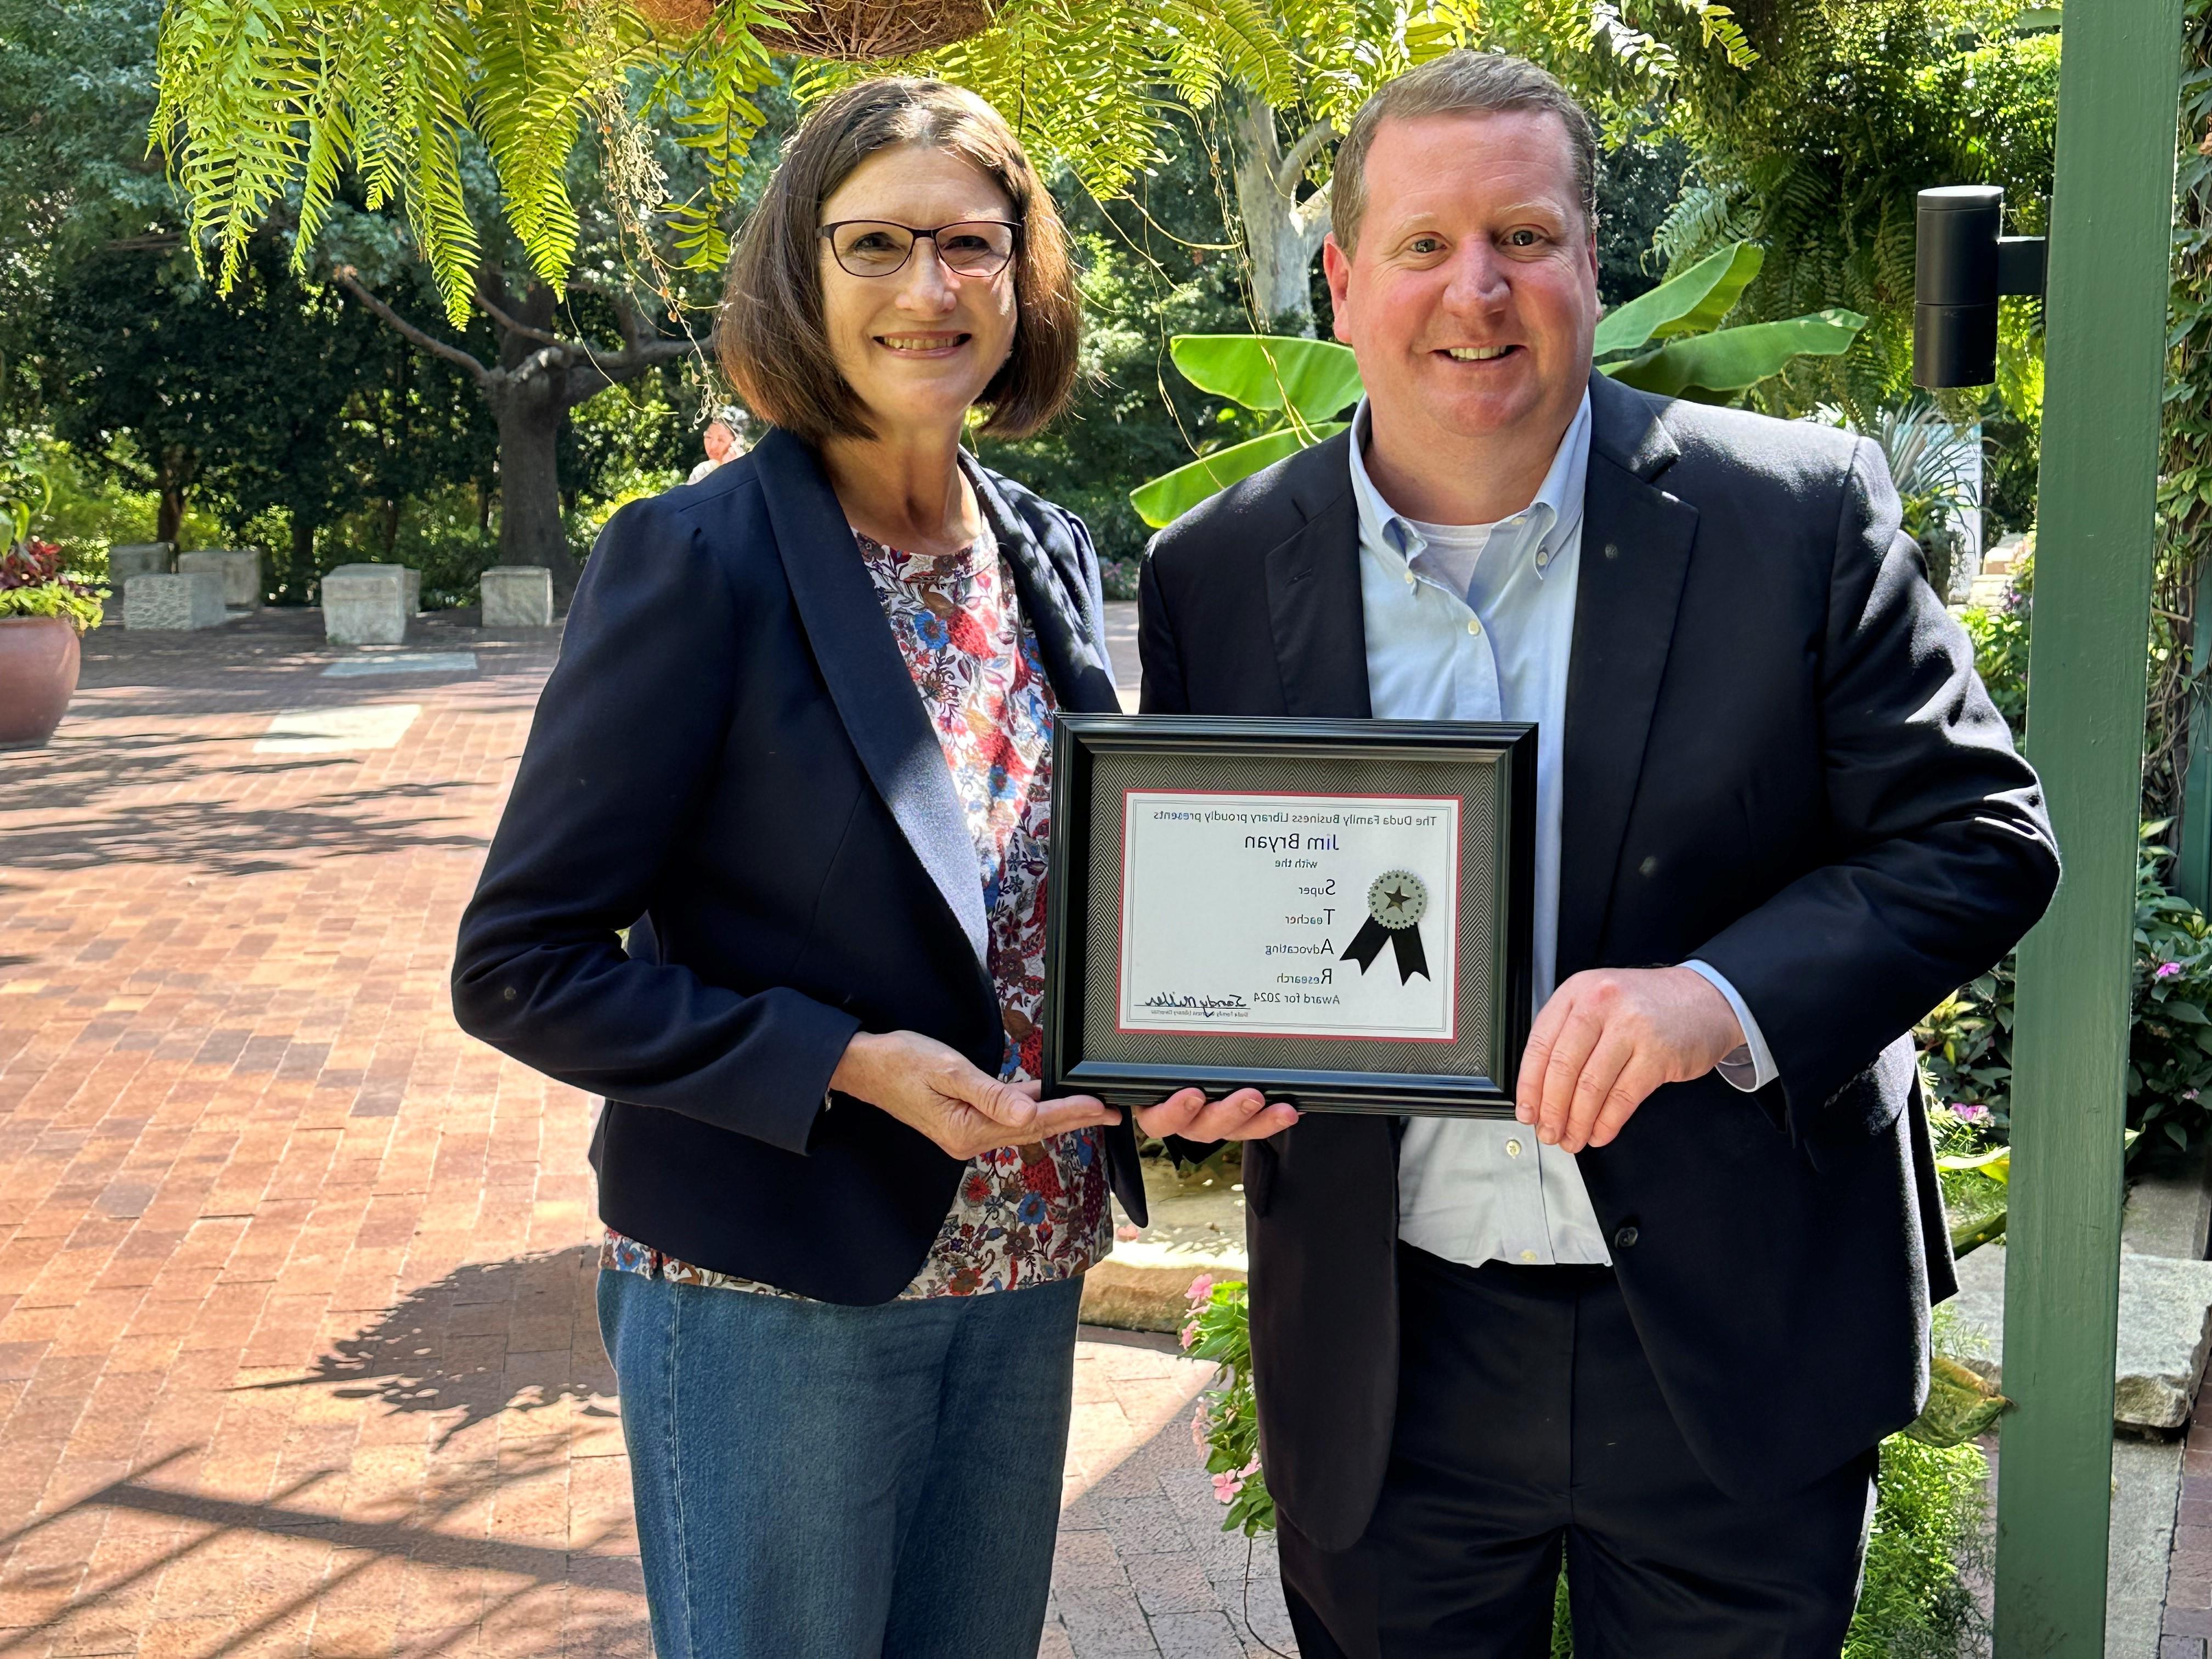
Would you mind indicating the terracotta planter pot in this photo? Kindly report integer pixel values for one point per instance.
(38, 671)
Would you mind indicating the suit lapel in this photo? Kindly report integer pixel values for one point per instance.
(1313, 593)
(867, 679)
(1636, 544)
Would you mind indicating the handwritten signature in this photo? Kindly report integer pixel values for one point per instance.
(1183, 1003)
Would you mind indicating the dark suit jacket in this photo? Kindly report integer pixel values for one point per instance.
(1779, 760)
(732, 756)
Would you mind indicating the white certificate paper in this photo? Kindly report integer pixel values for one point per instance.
(1290, 915)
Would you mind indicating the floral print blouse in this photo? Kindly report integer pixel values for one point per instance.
(1021, 1215)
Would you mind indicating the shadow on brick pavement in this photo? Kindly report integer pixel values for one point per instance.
(297, 1349)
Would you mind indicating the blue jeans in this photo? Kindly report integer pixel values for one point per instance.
(823, 1482)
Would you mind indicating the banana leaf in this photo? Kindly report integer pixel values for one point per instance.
(1160, 501)
(1961, 1406)
(1313, 379)
(1710, 367)
(1692, 303)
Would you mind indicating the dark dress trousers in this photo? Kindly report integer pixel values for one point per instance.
(1778, 760)
(730, 760)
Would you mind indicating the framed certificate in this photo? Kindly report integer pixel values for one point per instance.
(1335, 911)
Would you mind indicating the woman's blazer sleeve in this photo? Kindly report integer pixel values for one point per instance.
(627, 732)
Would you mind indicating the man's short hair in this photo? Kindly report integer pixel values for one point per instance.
(1460, 83)
(773, 348)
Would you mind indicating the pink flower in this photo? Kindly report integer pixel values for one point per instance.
(1970, 1112)
(1198, 1426)
(1188, 1335)
(1226, 1486)
(1201, 1288)
(2167, 971)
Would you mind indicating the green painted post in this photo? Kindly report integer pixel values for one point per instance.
(2111, 231)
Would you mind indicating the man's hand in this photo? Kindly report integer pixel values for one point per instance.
(1610, 1036)
(932, 1088)
(1244, 1116)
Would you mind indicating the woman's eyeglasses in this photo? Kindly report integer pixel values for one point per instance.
(877, 248)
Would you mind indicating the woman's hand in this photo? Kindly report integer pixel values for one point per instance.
(1244, 1116)
(930, 1087)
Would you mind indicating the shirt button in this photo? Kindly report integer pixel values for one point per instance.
(1512, 1149)
(1474, 625)
(1528, 1256)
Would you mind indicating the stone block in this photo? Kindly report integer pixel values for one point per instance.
(2169, 1213)
(139, 559)
(1145, 1285)
(2166, 1331)
(189, 599)
(517, 596)
(370, 604)
(238, 569)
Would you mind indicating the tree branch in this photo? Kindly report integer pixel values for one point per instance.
(516, 325)
(452, 354)
(1293, 165)
(595, 374)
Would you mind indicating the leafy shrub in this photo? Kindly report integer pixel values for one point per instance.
(2000, 638)
(33, 583)
(1966, 1042)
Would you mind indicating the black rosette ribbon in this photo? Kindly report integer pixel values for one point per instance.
(1396, 901)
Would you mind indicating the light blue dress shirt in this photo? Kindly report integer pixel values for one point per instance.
(1476, 622)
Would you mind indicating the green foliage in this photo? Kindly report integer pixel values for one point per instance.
(1226, 1424)
(1692, 303)
(34, 583)
(2001, 641)
(1917, 1601)
(1966, 1042)
(2177, 691)
(266, 101)
(1155, 264)
(1817, 153)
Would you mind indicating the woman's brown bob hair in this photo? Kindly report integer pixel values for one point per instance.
(773, 348)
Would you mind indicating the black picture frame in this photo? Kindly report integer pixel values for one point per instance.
(1498, 759)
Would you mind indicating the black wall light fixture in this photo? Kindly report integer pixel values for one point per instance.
(1961, 265)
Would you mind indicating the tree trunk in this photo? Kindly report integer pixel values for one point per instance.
(529, 411)
(1279, 240)
(303, 573)
(169, 517)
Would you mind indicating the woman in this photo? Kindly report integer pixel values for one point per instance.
(797, 744)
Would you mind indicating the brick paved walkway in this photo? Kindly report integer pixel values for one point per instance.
(296, 1348)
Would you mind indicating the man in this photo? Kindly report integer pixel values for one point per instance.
(1661, 1322)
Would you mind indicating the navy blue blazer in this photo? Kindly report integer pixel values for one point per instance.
(730, 760)
(1779, 760)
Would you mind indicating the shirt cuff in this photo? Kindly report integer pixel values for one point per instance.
(1750, 1065)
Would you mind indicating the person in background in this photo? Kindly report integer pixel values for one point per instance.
(797, 743)
(722, 441)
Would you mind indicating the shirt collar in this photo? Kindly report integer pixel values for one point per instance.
(1554, 514)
